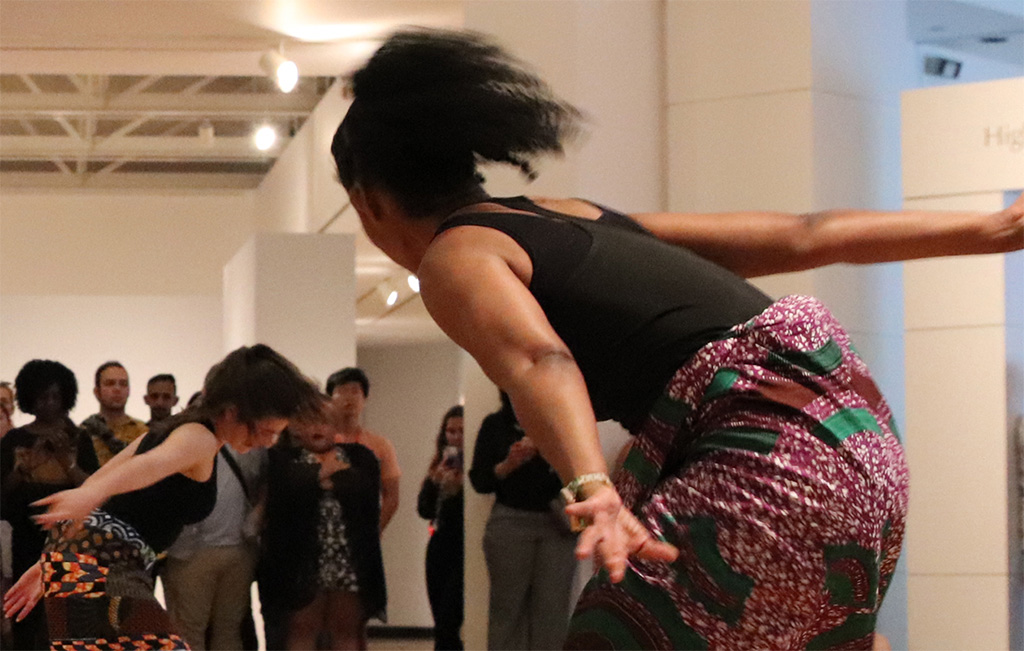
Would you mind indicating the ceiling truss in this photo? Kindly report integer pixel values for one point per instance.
(79, 130)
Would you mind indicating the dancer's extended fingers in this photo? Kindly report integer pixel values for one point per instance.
(49, 519)
(11, 604)
(29, 604)
(22, 598)
(642, 544)
(612, 550)
(46, 501)
(654, 550)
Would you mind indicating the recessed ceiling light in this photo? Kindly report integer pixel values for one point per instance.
(265, 137)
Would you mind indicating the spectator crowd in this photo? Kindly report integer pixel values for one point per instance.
(302, 519)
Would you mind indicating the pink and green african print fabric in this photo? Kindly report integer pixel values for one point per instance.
(773, 463)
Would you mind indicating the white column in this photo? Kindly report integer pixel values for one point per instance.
(295, 293)
(963, 361)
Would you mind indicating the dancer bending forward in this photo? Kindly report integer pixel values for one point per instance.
(105, 534)
(764, 453)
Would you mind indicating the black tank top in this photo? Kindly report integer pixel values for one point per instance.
(159, 512)
(631, 308)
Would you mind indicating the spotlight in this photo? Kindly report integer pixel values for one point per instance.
(265, 137)
(392, 297)
(414, 283)
(283, 71)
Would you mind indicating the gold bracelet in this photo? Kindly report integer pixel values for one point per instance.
(570, 495)
(571, 491)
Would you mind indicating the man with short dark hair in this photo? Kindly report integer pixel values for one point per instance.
(161, 396)
(348, 390)
(111, 429)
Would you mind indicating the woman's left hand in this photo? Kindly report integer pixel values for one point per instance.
(24, 594)
(614, 534)
(72, 506)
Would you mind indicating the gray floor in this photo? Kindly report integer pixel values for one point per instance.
(401, 644)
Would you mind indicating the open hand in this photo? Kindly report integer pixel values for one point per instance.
(72, 506)
(613, 534)
(25, 594)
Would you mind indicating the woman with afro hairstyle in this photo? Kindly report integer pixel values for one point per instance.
(48, 455)
(105, 535)
(764, 454)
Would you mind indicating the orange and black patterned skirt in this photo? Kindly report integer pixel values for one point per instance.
(98, 591)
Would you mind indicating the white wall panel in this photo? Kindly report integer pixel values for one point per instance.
(732, 48)
(148, 334)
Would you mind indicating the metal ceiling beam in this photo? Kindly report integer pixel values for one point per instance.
(189, 182)
(160, 104)
(28, 81)
(141, 85)
(198, 86)
(68, 127)
(139, 147)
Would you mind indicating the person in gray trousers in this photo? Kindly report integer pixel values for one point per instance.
(527, 543)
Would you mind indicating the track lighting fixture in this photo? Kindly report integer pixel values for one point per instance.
(280, 69)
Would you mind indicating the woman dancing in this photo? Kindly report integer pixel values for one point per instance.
(764, 453)
(105, 534)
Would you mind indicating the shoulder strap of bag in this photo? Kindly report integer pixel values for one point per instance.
(238, 473)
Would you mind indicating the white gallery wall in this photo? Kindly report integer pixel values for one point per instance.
(411, 387)
(88, 276)
(294, 292)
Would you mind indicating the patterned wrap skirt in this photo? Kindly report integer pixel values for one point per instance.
(99, 593)
(773, 463)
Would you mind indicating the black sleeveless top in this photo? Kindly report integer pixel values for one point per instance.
(159, 512)
(631, 308)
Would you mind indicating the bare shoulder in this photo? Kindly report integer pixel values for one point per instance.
(195, 434)
(384, 450)
(377, 439)
(462, 248)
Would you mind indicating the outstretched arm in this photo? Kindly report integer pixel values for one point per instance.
(470, 288)
(761, 243)
(188, 449)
